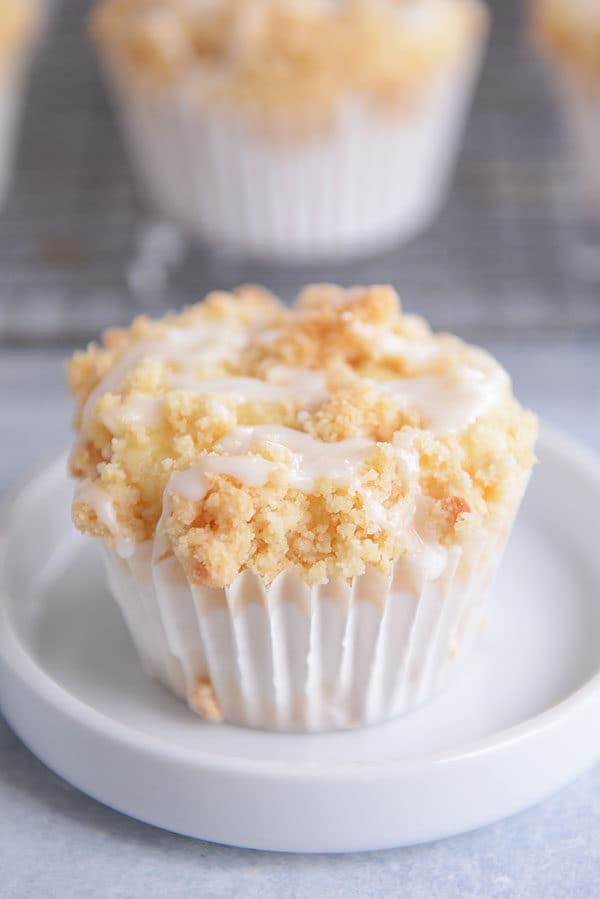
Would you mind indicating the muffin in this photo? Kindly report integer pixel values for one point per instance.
(293, 130)
(301, 510)
(568, 32)
(19, 23)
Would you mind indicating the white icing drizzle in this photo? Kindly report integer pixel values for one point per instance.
(388, 345)
(252, 471)
(428, 558)
(90, 494)
(393, 346)
(138, 408)
(311, 459)
(449, 403)
(185, 346)
(446, 402)
(305, 387)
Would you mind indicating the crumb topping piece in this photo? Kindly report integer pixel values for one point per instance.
(253, 436)
(272, 56)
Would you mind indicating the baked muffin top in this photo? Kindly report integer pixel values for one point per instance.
(326, 437)
(274, 57)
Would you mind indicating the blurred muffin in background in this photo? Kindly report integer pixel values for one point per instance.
(568, 32)
(19, 24)
(302, 129)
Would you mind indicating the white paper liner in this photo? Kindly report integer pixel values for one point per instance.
(371, 181)
(295, 658)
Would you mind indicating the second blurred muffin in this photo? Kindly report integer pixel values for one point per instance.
(295, 130)
(19, 24)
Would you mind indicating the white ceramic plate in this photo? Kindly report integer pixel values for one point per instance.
(521, 719)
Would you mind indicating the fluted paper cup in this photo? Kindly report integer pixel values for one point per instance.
(291, 657)
(371, 180)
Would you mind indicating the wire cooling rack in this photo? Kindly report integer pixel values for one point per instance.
(501, 260)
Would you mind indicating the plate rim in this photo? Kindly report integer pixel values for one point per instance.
(34, 678)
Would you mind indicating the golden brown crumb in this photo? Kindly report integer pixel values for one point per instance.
(185, 393)
(204, 701)
(268, 55)
(453, 506)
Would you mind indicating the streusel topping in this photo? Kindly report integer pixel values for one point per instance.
(279, 58)
(326, 437)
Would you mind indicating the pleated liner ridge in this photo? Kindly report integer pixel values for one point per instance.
(291, 657)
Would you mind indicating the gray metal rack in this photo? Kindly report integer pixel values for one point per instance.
(501, 260)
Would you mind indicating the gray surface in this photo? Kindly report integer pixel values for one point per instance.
(58, 843)
(503, 255)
